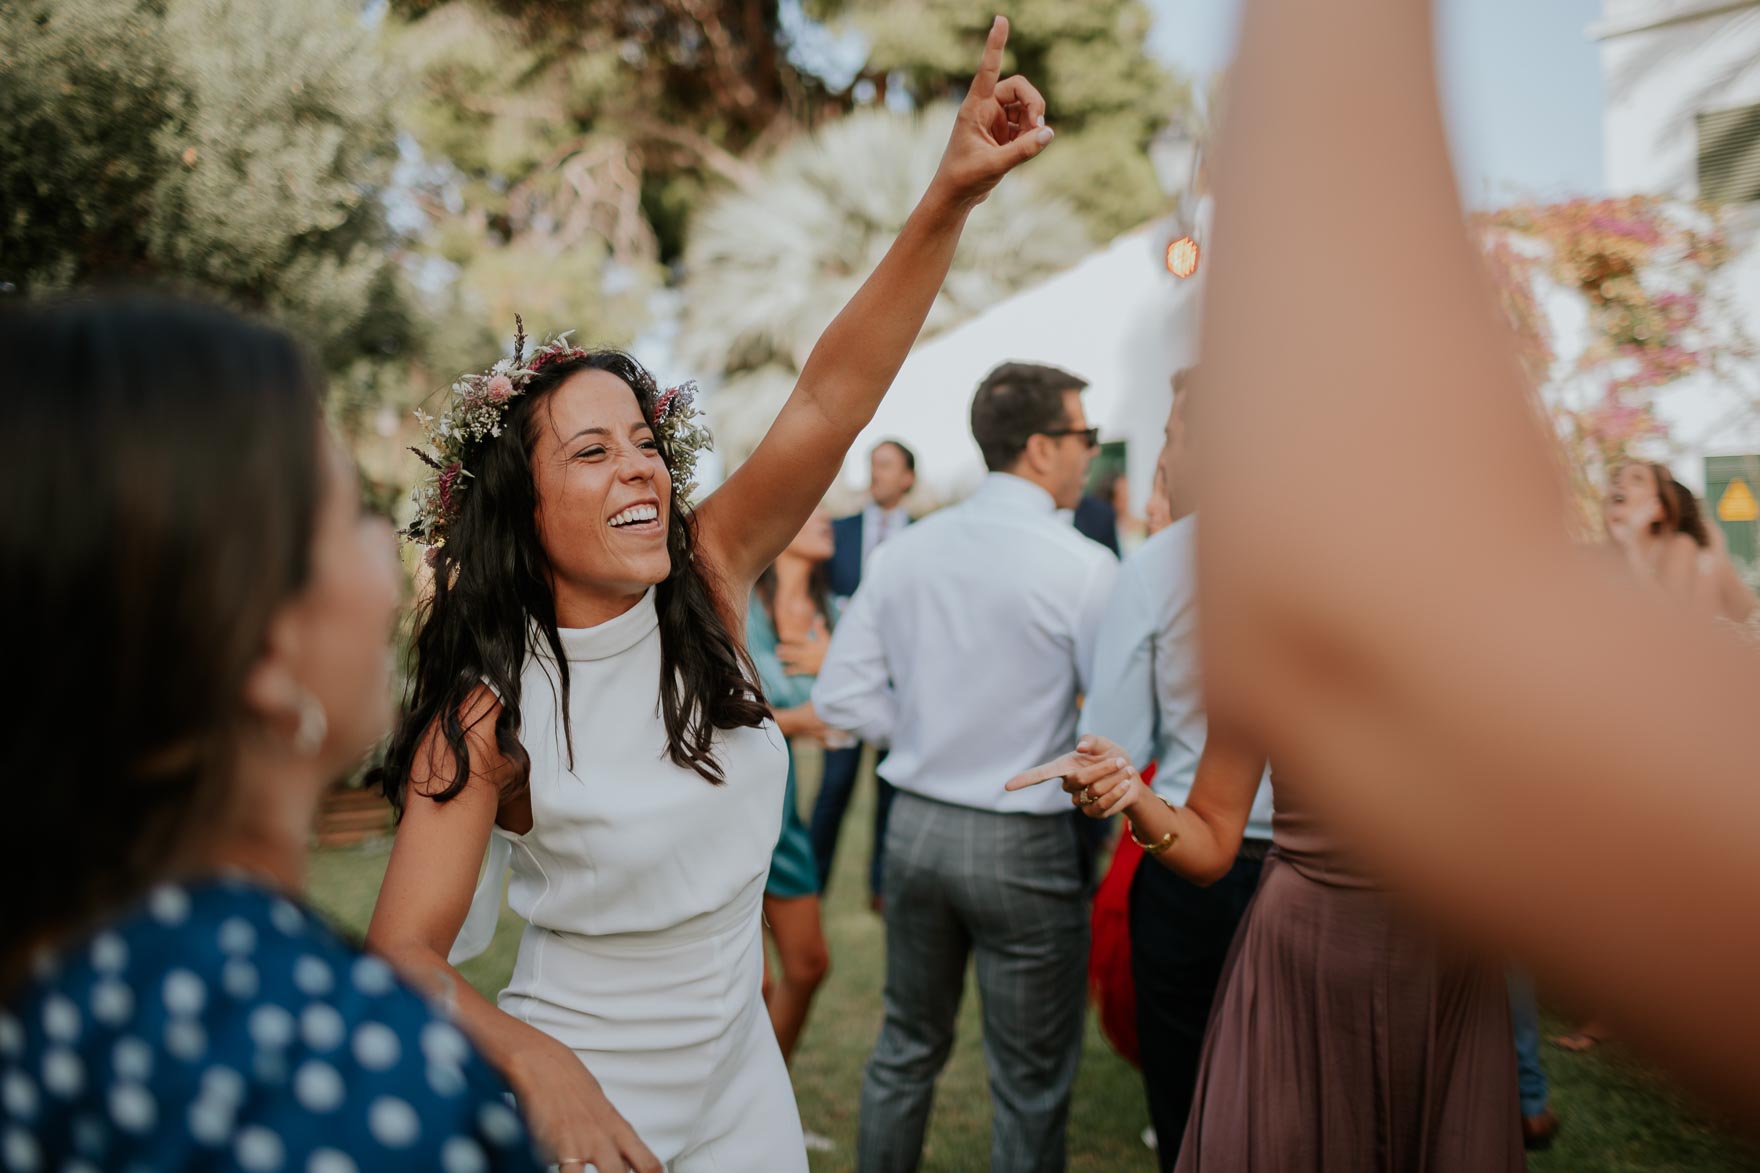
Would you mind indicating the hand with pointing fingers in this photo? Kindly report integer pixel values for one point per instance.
(1098, 777)
(1001, 124)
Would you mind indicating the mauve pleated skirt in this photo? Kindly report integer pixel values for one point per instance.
(1348, 1039)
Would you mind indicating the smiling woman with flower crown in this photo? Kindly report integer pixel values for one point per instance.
(581, 700)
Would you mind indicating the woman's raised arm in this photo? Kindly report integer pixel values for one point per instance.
(747, 522)
(1473, 703)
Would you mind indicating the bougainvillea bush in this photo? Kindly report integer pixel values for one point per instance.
(1641, 271)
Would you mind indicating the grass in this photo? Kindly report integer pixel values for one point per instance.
(1619, 1117)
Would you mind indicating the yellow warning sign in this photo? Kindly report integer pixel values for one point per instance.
(1737, 503)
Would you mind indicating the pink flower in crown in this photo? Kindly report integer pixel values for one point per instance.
(448, 478)
(499, 389)
(663, 405)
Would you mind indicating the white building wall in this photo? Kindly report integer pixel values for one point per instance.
(1663, 62)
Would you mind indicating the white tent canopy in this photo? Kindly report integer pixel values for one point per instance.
(1118, 319)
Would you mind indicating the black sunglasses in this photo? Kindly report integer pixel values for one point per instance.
(1091, 435)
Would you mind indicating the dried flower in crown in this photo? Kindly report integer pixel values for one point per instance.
(478, 408)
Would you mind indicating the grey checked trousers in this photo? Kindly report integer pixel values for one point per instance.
(1011, 890)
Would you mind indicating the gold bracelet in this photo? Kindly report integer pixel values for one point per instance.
(1157, 846)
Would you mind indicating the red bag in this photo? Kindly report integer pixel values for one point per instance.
(1110, 985)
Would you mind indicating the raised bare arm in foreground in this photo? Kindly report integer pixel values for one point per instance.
(1535, 750)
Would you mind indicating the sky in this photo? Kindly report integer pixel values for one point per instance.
(1521, 87)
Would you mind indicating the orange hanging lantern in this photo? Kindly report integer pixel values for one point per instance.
(1182, 257)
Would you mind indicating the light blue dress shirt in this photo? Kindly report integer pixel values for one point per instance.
(1148, 691)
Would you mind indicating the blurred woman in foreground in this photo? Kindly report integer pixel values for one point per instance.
(200, 612)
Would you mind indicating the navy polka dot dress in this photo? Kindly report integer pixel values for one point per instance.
(219, 1026)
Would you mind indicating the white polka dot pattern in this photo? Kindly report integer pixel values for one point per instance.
(169, 905)
(223, 1083)
(322, 1027)
(287, 918)
(186, 1039)
(132, 1107)
(112, 1002)
(60, 1018)
(220, 1025)
(442, 1043)
(318, 1087)
(258, 1150)
(21, 1151)
(132, 1059)
(376, 1047)
(393, 1122)
(271, 1027)
(312, 977)
(498, 1123)
(63, 1073)
(185, 994)
(237, 935)
(109, 953)
(461, 1154)
(446, 1079)
(331, 1161)
(211, 1121)
(19, 1095)
(372, 977)
(239, 978)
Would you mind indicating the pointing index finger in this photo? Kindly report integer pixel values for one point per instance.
(990, 67)
(1038, 774)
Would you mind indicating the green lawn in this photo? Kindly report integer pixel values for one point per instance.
(1619, 1118)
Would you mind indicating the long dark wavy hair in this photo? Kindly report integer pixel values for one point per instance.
(161, 487)
(492, 595)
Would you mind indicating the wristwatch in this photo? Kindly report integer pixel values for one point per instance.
(1154, 846)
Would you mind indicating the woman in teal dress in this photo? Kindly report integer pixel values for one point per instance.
(787, 632)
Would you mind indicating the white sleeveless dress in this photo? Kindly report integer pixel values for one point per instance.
(642, 885)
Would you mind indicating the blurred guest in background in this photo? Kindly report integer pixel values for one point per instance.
(791, 604)
(1655, 527)
(1656, 524)
(1540, 1124)
(1132, 530)
(204, 610)
(1096, 515)
(892, 474)
(1147, 694)
(969, 642)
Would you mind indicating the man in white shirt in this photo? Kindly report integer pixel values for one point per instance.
(892, 474)
(968, 643)
(1147, 695)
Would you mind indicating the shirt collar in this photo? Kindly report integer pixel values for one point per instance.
(872, 511)
(1012, 492)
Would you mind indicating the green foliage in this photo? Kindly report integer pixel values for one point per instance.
(1105, 95)
(571, 122)
(235, 148)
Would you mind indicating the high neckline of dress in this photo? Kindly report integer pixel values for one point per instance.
(610, 638)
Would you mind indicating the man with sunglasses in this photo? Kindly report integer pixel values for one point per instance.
(966, 646)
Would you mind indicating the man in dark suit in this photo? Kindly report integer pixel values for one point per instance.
(1095, 520)
(892, 473)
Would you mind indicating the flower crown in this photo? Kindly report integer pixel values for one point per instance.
(479, 407)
